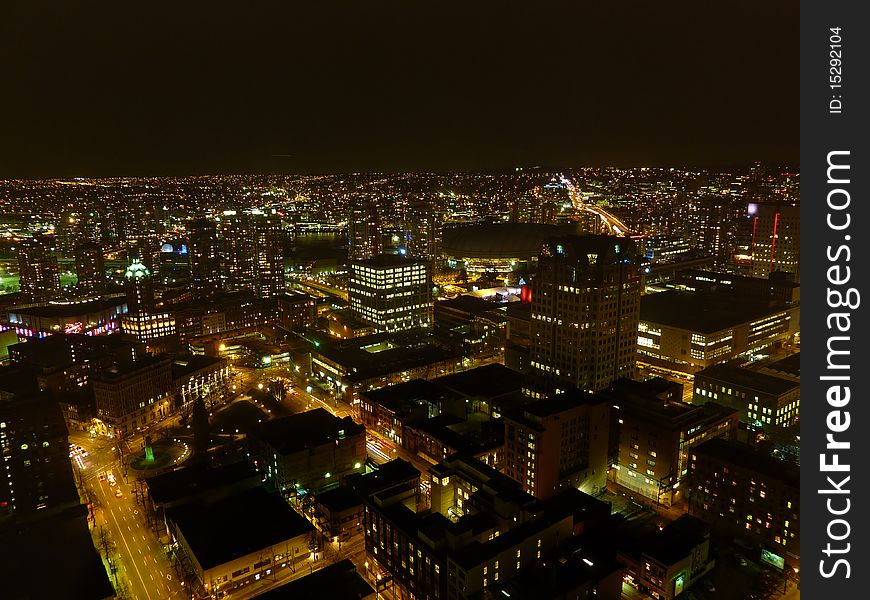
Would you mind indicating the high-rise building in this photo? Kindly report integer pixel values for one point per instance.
(90, 268)
(35, 473)
(559, 442)
(776, 239)
(364, 229)
(253, 247)
(203, 256)
(269, 238)
(392, 292)
(37, 266)
(422, 229)
(585, 307)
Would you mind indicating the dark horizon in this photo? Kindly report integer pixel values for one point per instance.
(382, 87)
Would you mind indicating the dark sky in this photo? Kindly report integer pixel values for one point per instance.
(132, 87)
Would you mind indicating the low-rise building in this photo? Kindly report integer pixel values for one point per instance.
(681, 333)
(558, 443)
(766, 402)
(665, 563)
(234, 541)
(354, 366)
(308, 451)
(656, 432)
(748, 494)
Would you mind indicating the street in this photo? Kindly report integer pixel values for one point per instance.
(143, 570)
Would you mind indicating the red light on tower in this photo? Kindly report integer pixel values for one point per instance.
(526, 294)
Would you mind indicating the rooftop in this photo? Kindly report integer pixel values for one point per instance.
(530, 414)
(500, 240)
(196, 479)
(489, 381)
(295, 433)
(238, 525)
(468, 304)
(748, 378)
(701, 312)
(400, 397)
(384, 261)
(745, 456)
(62, 541)
(72, 308)
(395, 353)
(339, 499)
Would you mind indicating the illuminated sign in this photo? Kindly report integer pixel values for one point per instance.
(73, 328)
(774, 560)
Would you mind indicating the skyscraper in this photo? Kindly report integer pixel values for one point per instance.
(364, 229)
(269, 238)
(585, 308)
(776, 239)
(422, 229)
(202, 254)
(392, 292)
(253, 247)
(90, 268)
(37, 266)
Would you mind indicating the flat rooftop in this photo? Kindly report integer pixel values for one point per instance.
(748, 378)
(197, 479)
(489, 381)
(73, 308)
(702, 312)
(745, 456)
(383, 354)
(62, 541)
(295, 433)
(238, 525)
(408, 394)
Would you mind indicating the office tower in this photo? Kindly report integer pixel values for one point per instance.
(422, 229)
(90, 268)
(203, 256)
(254, 253)
(776, 239)
(585, 307)
(364, 229)
(37, 266)
(559, 442)
(392, 292)
(35, 473)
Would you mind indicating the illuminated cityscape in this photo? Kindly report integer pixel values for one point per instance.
(401, 315)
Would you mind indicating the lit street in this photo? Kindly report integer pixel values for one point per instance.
(142, 566)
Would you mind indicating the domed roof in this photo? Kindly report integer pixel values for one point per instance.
(167, 248)
(137, 270)
(501, 240)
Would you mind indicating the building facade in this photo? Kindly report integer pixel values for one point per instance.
(37, 267)
(585, 306)
(392, 292)
(559, 442)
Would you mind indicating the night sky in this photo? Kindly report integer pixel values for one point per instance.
(308, 86)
